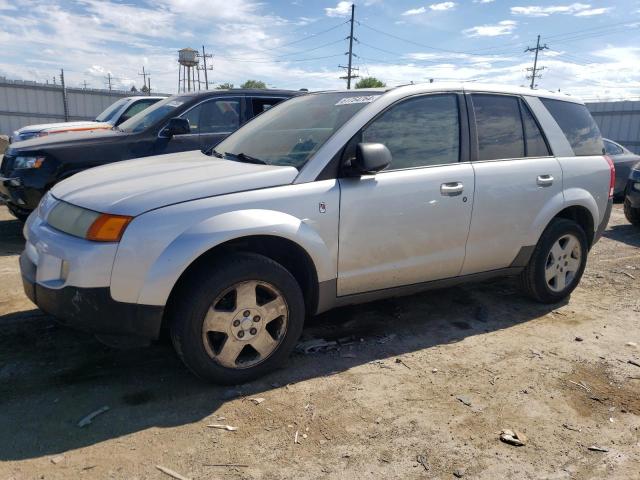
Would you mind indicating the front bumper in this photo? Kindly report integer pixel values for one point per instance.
(633, 192)
(91, 309)
(69, 278)
(23, 191)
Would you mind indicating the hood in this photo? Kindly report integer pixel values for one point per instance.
(62, 126)
(136, 186)
(67, 139)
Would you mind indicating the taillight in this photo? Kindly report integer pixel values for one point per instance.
(612, 171)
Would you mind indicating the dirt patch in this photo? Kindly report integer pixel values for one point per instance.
(593, 391)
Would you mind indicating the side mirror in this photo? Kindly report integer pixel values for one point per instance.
(176, 126)
(371, 158)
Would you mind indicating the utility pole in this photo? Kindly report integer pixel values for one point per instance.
(535, 69)
(109, 80)
(64, 97)
(85, 84)
(144, 78)
(205, 68)
(349, 68)
(149, 85)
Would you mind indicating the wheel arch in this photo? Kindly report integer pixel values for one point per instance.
(286, 239)
(282, 250)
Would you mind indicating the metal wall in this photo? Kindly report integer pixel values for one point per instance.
(28, 103)
(619, 121)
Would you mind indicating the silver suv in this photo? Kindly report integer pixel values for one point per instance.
(325, 200)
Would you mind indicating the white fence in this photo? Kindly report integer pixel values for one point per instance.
(27, 103)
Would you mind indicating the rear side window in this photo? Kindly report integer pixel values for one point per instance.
(261, 104)
(577, 125)
(500, 132)
(419, 132)
(612, 149)
(535, 143)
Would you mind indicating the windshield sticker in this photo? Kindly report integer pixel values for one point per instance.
(175, 103)
(352, 100)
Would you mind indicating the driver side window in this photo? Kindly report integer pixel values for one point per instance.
(420, 131)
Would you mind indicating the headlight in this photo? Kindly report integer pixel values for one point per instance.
(84, 223)
(28, 162)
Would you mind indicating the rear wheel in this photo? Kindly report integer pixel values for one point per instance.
(557, 263)
(632, 214)
(238, 319)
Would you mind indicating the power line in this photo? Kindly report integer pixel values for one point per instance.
(535, 68)
(350, 75)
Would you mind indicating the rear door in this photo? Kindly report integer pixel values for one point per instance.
(262, 104)
(409, 223)
(516, 177)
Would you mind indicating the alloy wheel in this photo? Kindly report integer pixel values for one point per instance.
(563, 263)
(245, 324)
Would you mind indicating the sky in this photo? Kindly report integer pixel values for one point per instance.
(593, 46)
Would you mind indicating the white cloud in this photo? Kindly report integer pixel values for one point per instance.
(415, 11)
(593, 11)
(483, 1)
(442, 6)
(342, 9)
(540, 11)
(504, 27)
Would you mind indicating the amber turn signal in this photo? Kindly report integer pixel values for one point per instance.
(108, 228)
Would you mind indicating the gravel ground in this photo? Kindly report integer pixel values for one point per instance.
(418, 387)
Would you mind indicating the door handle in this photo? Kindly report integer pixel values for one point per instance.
(545, 180)
(451, 189)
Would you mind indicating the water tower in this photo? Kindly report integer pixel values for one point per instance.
(188, 70)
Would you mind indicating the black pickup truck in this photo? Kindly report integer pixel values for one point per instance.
(196, 121)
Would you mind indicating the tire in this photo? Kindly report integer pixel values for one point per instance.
(20, 215)
(207, 322)
(537, 280)
(632, 214)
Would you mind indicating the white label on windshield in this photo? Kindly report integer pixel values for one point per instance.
(175, 103)
(352, 100)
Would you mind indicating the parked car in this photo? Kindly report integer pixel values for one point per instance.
(624, 160)
(114, 115)
(327, 199)
(632, 197)
(195, 121)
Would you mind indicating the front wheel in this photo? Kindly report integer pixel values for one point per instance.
(237, 319)
(557, 263)
(632, 214)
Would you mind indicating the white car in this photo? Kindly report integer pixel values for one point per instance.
(327, 199)
(114, 115)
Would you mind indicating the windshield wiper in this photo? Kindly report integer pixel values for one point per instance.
(215, 153)
(243, 157)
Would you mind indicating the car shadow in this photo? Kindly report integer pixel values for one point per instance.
(627, 233)
(51, 377)
(12, 239)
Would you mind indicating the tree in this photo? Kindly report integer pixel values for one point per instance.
(253, 84)
(225, 86)
(144, 89)
(370, 82)
(133, 88)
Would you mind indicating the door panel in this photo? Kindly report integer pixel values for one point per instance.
(508, 197)
(401, 227)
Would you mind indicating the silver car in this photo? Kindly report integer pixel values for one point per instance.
(327, 199)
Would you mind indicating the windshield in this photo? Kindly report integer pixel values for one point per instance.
(109, 113)
(153, 114)
(291, 132)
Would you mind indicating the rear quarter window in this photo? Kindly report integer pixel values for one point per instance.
(578, 126)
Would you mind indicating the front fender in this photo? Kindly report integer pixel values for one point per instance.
(202, 237)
